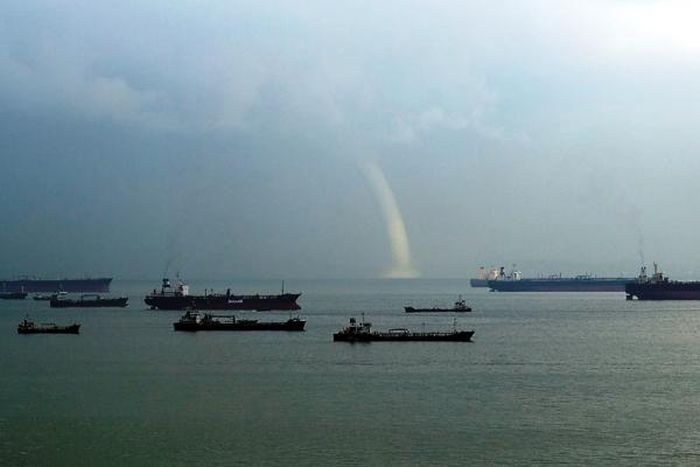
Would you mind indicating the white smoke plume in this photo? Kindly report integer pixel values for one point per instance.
(402, 266)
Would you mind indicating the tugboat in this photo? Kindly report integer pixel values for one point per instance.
(659, 287)
(460, 306)
(179, 298)
(195, 321)
(13, 295)
(30, 327)
(362, 332)
(88, 301)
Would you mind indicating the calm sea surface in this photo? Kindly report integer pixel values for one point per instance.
(549, 379)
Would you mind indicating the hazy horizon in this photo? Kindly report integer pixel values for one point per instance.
(348, 140)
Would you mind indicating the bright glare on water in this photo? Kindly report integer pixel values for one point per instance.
(550, 379)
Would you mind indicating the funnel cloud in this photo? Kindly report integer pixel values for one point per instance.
(402, 266)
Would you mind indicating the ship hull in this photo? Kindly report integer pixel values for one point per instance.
(97, 285)
(291, 325)
(13, 296)
(459, 336)
(479, 283)
(73, 329)
(561, 285)
(410, 309)
(664, 291)
(224, 302)
(101, 303)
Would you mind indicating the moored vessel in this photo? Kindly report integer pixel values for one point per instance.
(514, 282)
(30, 327)
(88, 301)
(195, 321)
(460, 306)
(35, 285)
(13, 295)
(659, 287)
(362, 332)
(179, 298)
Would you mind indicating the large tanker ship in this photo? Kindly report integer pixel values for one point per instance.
(514, 282)
(31, 285)
(179, 298)
(659, 287)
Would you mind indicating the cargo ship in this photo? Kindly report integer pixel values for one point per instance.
(194, 321)
(460, 306)
(31, 285)
(179, 298)
(514, 282)
(659, 287)
(88, 301)
(362, 332)
(30, 327)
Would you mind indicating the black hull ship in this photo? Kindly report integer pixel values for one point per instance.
(460, 306)
(97, 285)
(194, 321)
(362, 332)
(30, 327)
(659, 287)
(13, 295)
(179, 298)
(88, 301)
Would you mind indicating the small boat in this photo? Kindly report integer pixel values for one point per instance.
(195, 321)
(13, 295)
(88, 301)
(362, 332)
(460, 306)
(30, 327)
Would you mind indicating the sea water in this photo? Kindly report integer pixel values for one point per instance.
(551, 378)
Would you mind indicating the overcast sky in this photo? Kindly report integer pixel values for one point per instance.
(348, 139)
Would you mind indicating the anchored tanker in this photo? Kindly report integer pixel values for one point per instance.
(513, 282)
(179, 298)
(30, 285)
